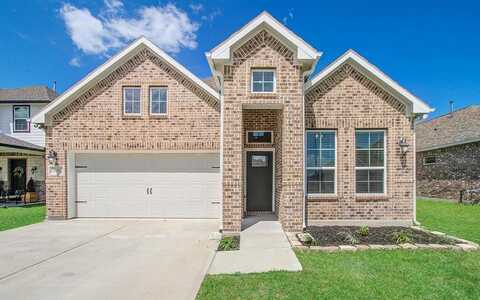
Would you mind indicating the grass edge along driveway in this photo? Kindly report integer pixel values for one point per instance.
(13, 217)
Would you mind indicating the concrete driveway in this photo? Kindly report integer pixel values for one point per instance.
(106, 259)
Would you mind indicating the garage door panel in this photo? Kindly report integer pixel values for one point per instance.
(181, 185)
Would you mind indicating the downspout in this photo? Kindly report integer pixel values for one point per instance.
(221, 145)
(414, 141)
(305, 74)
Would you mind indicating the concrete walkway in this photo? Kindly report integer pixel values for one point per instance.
(263, 247)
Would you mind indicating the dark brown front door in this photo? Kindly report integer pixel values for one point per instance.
(259, 180)
(18, 174)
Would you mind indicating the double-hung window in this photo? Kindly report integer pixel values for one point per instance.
(263, 81)
(131, 101)
(21, 118)
(158, 100)
(370, 161)
(321, 161)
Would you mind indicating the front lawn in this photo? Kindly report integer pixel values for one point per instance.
(13, 217)
(395, 274)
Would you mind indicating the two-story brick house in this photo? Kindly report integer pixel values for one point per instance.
(141, 136)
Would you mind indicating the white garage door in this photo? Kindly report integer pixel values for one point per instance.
(148, 185)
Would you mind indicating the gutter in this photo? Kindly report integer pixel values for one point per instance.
(22, 147)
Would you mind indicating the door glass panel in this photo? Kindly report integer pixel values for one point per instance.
(259, 161)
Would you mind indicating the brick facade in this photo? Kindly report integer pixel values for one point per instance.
(95, 121)
(264, 51)
(347, 101)
(456, 168)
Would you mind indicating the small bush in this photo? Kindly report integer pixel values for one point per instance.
(363, 231)
(401, 237)
(229, 243)
(349, 238)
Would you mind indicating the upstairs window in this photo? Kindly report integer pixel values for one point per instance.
(321, 162)
(263, 81)
(21, 118)
(370, 161)
(131, 101)
(158, 100)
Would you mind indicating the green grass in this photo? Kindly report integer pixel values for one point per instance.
(396, 274)
(13, 217)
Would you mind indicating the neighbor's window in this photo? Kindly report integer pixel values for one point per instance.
(131, 100)
(263, 81)
(429, 160)
(370, 161)
(21, 117)
(263, 137)
(158, 100)
(321, 162)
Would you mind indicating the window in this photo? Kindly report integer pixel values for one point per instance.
(429, 160)
(21, 117)
(259, 161)
(321, 162)
(259, 137)
(131, 100)
(263, 81)
(370, 161)
(158, 101)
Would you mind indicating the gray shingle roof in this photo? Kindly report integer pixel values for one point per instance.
(460, 127)
(8, 141)
(29, 94)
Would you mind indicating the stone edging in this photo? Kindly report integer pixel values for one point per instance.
(460, 245)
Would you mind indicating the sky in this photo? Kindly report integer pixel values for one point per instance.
(432, 48)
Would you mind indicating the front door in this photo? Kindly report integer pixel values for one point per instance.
(18, 174)
(259, 180)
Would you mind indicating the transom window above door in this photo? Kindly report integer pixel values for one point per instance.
(131, 101)
(21, 117)
(259, 137)
(158, 100)
(321, 162)
(263, 81)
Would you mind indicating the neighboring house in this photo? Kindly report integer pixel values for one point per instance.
(21, 144)
(448, 153)
(141, 136)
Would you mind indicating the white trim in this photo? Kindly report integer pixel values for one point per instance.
(245, 173)
(124, 88)
(417, 106)
(304, 50)
(263, 82)
(108, 67)
(265, 143)
(334, 168)
(150, 88)
(384, 168)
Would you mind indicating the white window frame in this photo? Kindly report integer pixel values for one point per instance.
(166, 100)
(26, 119)
(334, 168)
(384, 168)
(264, 70)
(428, 164)
(124, 102)
(267, 143)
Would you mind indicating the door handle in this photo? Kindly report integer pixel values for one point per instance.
(151, 191)
(147, 190)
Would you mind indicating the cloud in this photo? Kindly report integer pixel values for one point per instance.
(196, 8)
(211, 16)
(288, 17)
(75, 62)
(167, 26)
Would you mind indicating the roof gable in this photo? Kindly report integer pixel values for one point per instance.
(108, 67)
(414, 104)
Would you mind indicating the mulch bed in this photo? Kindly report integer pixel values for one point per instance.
(341, 235)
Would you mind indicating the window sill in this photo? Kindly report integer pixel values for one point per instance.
(322, 198)
(263, 95)
(159, 116)
(371, 198)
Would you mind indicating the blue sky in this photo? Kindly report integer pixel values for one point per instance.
(432, 48)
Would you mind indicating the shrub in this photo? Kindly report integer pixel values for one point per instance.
(229, 243)
(363, 231)
(349, 238)
(401, 237)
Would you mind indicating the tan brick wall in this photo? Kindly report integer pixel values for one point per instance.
(95, 121)
(347, 101)
(263, 51)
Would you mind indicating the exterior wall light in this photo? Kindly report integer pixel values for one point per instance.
(52, 157)
(403, 145)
